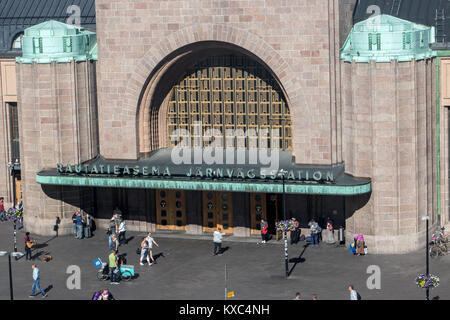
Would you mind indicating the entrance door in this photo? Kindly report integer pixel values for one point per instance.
(217, 211)
(258, 211)
(170, 210)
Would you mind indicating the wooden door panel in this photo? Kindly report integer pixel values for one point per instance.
(170, 210)
(217, 208)
(258, 211)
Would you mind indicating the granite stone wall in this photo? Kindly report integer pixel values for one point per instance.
(389, 122)
(57, 116)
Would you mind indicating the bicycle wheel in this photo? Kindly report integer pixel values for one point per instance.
(126, 275)
(102, 276)
(443, 247)
(434, 252)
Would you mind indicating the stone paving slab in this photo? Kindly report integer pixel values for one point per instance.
(188, 270)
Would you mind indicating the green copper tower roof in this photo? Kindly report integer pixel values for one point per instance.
(55, 41)
(384, 38)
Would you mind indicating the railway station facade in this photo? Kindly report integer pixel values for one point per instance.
(190, 115)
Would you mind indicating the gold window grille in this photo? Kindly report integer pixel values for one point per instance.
(233, 97)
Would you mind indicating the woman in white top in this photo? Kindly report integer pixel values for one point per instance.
(151, 241)
(144, 252)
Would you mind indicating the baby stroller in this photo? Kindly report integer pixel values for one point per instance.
(103, 272)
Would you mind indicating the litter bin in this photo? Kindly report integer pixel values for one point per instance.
(341, 235)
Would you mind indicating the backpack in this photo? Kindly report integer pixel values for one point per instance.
(96, 296)
(264, 231)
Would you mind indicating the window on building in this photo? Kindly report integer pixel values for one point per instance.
(375, 41)
(17, 42)
(14, 129)
(406, 40)
(232, 101)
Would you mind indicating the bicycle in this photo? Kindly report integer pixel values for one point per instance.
(126, 272)
(438, 250)
(438, 244)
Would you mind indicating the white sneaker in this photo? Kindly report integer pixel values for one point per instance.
(150, 264)
(141, 263)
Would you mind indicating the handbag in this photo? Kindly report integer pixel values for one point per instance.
(138, 250)
(264, 231)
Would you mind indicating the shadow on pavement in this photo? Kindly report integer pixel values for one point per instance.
(298, 260)
(50, 287)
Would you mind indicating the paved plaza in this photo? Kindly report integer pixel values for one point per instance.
(188, 270)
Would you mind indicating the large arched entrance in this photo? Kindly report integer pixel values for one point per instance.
(220, 85)
(213, 94)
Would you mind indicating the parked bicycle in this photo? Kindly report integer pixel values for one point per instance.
(438, 244)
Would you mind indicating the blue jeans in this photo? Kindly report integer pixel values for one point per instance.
(87, 232)
(315, 239)
(79, 231)
(74, 229)
(114, 277)
(36, 285)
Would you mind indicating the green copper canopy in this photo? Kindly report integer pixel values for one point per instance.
(159, 171)
(384, 38)
(55, 41)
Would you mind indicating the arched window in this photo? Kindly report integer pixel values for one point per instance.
(17, 42)
(232, 101)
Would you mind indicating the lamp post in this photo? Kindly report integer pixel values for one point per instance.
(286, 255)
(427, 218)
(15, 255)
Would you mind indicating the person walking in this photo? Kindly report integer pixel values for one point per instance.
(264, 230)
(297, 296)
(28, 245)
(117, 216)
(330, 232)
(295, 233)
(36, 280)
(112, 267)
(122, 230)
(151, 242)
(79, 223)
(217, 238)
(88, 226)
(74, 221)
(2, 210)
(354, 295)
(113, 243)
(315, 230)
(144, 252)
